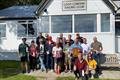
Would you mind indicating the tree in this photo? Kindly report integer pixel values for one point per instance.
(8, 3)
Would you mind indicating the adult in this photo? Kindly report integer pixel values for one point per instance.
(96, 48)
(46, 36)
(61, 40)
(86, 47)
(23, 54)
(75, 48)
(41, 54)
(74, 51)
(70, 40)
(40, 36)
(49, 57)
(80, 68)
(61, 37)
(32, 56)
(79, 37)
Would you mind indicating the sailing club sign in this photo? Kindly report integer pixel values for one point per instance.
(70, 5)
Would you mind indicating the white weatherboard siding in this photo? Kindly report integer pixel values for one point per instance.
(93, 7)
(11, 41)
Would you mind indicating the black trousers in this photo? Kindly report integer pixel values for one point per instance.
(33, 62)
(78, 74)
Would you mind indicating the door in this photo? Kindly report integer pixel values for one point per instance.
(117, 35)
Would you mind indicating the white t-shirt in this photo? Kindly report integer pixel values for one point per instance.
(57, 52)
(86, 48)
(41, 48)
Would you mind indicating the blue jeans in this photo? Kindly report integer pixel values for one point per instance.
(41, 58)
(49, 62)
(96, 56)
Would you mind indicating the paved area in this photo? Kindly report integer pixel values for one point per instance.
(106, 74)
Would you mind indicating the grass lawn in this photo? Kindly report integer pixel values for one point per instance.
(19, 77)
(10, 70)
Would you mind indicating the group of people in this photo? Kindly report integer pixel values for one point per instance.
(62, 55)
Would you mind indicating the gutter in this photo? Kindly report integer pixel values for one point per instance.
(42, 7)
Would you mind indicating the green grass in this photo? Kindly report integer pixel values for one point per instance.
(19, 77)
(9, 64)
(10, 70)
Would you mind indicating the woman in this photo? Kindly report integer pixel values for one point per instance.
(32, 56)
(80, 68)
(91, 65)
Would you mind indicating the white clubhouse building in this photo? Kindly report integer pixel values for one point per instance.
(88, 17)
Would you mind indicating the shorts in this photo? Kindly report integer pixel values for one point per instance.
(67, 60)
(24, 59)
(57, 61)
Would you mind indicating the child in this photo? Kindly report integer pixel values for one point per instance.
(91, 65)
(67, 56)
(57, 50)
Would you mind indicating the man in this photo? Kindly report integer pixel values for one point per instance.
(61, 40)
(40, 37)
(41, 54)
(74, 51)
(80, 68)
(75, 48)
(70, 40)
(79, 37)
(23, 54)
(96, 48)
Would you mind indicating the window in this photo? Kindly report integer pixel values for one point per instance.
(61, 24)
(27, 29)
(105, 22)
(2, 30)
(44, 24)
(85, 23)
(117, 28)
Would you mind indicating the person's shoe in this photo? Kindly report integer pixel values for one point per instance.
(51, 70)
(66, 71)
(92, 77)
(23, 71)
(46, 70)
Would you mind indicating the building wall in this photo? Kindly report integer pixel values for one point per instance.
(93, 6)
(11, 41)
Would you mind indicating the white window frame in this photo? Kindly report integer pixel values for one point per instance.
(5, 30)
(26, 22)
(72, 21)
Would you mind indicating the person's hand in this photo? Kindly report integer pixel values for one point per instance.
(20, 55)
(74, 68)
(47, 52)
(33, 55)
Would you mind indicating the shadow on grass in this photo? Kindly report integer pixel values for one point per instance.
(9, 68)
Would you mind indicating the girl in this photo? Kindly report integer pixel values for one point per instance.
(57, 50)
(32, 55)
